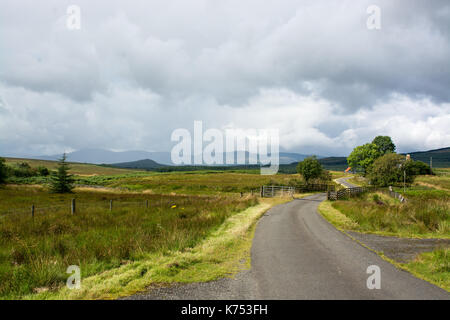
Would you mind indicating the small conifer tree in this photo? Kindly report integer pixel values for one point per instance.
(62, 181)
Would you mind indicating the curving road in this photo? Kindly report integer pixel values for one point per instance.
(345, 183)
(296, 254)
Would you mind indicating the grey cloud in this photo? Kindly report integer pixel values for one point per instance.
(137, 70)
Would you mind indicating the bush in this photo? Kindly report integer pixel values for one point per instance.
(416, 168)
(3, 171)
(43, 171)
(310, 168)
(386, 170)
(390, 169)
(325, 176)
(376, 198)
(23, 170)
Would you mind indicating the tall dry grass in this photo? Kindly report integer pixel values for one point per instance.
(35, 253)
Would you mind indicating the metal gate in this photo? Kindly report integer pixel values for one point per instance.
(276, 191)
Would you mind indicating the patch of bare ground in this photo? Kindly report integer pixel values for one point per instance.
(401, 250)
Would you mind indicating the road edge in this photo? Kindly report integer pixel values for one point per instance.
(399, 266)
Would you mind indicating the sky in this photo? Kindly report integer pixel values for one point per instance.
(137, 70)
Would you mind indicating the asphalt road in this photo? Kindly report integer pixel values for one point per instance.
(345, 183)
(296, 254)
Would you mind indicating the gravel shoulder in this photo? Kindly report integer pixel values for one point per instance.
(401, 250)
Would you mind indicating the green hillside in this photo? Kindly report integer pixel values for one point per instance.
(441, 157)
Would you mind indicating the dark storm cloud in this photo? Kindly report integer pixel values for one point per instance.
(137, 70)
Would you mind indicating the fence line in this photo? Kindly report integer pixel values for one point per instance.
(394, 194)
(345, 193)
(351, 192)
(73, 206)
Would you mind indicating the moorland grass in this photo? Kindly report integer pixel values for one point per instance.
(432, 266)
(223, 253)
(426, 215)
(441, 180)
(35, 253)
(203, 182)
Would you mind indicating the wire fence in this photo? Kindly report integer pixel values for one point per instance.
(74, 206)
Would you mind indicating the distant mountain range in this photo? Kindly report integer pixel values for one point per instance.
(100, 156)
(158, 160)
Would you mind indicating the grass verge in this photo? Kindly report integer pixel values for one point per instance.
(433, 267)
(425, 215)
(224, 252)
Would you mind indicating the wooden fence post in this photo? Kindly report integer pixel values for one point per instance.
(146, 204)
(32, 211)
(110, 205)
(73, 207)
(242, 194)
(262, 192)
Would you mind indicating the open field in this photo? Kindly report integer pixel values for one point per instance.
(34, 253)
(440, 181)
(209, 182)
(185, 209)
(191, 182)
(82, 169)
(223, 253)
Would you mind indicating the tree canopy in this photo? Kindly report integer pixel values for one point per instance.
(363, 156)
(384, 144)
(310, 168)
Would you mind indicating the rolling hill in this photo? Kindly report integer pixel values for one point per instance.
(441, 157)
(101, 156)
(145, 164)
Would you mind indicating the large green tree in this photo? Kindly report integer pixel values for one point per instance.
(310, 168)
(62, 181)
(363, 156)
(384, 144)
